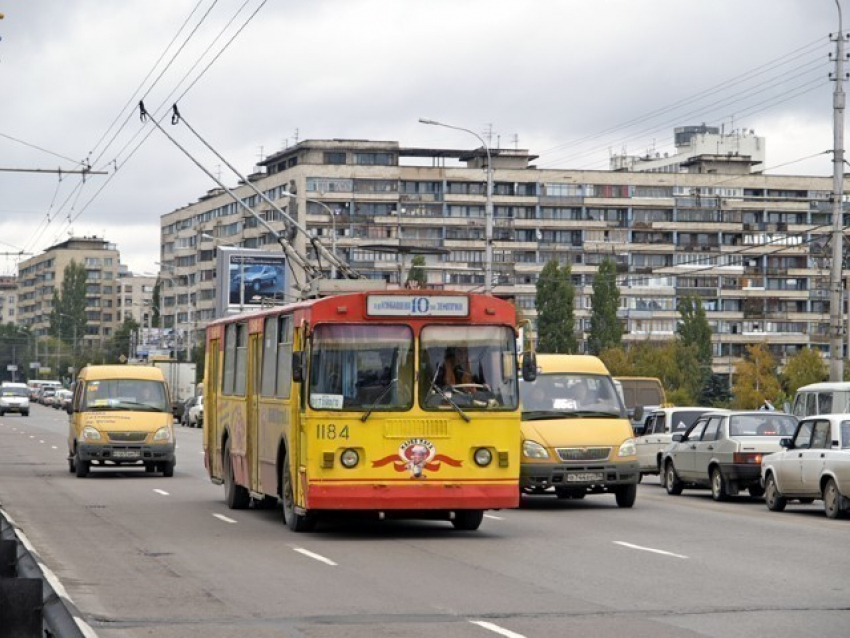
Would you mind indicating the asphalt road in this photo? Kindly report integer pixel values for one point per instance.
(151, 556)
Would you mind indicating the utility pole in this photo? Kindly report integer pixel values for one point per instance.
(836, 345)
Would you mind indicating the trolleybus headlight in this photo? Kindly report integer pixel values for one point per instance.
(533, 450)
(483, 457)
(349, 458)
(627, 448)
(90, 434)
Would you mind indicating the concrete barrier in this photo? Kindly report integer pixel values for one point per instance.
(33, 604)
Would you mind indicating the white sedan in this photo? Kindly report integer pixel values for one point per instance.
(196, 413)
(814, 464)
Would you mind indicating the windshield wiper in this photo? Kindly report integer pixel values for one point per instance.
(448, 399)
(537, 415)
(378, 399)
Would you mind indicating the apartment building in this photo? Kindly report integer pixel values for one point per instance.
(8, 294)
(753, 247)
(40, 277)
(134, 298)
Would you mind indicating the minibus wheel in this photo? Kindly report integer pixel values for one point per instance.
(81, 468)
(468, 520)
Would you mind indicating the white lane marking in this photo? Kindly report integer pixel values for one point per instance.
(54, 447)
(221, 517)
(495, 518)
(32, 436)
(649, 549)
(163, 492)
(496, 629)
(41, 441)
(318, 557)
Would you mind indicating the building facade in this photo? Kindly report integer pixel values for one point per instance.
(753, 247)
(8, 296)
(40, 278)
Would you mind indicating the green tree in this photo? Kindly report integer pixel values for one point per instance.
(755, 379)
(157, 291)
(122, 340)
(15, 345)
(554, 302)
(416, 276)
(805, 367)
(693, 329)
(617, 361)
(68, 317)
(605, 328)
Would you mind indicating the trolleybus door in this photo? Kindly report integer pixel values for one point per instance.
(255, 350)
(212, 385)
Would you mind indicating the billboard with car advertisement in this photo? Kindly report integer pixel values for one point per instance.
(249, 278)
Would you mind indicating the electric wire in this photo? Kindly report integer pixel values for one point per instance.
(793, 55)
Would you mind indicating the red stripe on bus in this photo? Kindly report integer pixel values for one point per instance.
(421, 496)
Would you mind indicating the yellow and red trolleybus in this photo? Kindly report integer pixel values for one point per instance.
(399, 404)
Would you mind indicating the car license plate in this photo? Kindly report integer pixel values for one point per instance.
(125, 454)
(584, 477)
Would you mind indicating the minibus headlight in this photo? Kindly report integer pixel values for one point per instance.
(90, 434)
(627, 448)
(483, 457)
(349, 458)
(533, 450)
(162, 434)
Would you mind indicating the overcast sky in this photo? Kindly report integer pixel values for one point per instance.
(569, 80)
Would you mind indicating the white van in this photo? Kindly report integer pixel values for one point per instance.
(822, 398)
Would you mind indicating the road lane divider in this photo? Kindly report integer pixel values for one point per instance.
(314, 556)
(494, 518)
(163, 492)
(649, 549)
(224, 518)
(496, 629)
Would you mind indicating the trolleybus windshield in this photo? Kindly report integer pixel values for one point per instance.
(362, 367)
(468, 367)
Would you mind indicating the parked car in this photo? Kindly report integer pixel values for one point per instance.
(723, 451)
(813, 464)
(14, 397)
(196, 413)
(661, 425)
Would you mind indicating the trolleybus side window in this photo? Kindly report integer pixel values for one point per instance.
(284, 356)
(269, 379)
(241, 359)
(361, 367)
(229, 376)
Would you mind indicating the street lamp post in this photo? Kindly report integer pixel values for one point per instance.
(488, 211)
(333, 225)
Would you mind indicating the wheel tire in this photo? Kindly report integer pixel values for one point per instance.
(468, 520)
(236, 496)
(168, 468)
(832, 501)
(295, 521)
(71, 467)
(640, 476)
(772, 498)
(719, 491)
(81, 468)
(27, 413)
(626, 495)
(671, 480)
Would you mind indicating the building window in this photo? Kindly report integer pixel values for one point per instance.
(332, 157)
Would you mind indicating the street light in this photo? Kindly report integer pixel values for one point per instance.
(488, 211)
(73, 343)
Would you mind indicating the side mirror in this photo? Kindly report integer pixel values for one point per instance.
(678, 438)
(529, 367)
(298, 367)
(638, 413)
(69, 408)
(786, 443)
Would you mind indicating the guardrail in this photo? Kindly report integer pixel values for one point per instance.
(33, 604)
